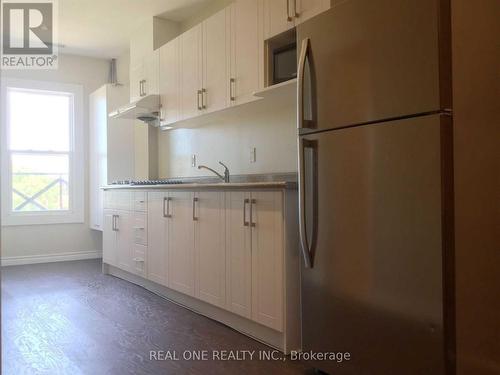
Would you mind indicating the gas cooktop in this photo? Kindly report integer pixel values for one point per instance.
(147, 182)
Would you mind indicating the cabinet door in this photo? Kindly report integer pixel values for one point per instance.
(151, 73)
(247, 48)
(169, 82)
(181, 265)
(216, 61)
(123, 229)
(109, 254)
(136, 78)
(190, 72)
(267, 258)
(210, 248)
(278, 16)
(306, 9)
(238, 254)
(157, 254)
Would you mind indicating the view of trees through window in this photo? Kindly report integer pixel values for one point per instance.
(39, 126)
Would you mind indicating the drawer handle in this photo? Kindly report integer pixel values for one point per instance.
(140, 228)
(138, 259)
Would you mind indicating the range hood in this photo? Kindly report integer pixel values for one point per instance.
(145, 109)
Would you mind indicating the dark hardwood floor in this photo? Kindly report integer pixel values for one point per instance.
(68, 318)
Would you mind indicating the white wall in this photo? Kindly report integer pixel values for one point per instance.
(20, 241)
(271, 128)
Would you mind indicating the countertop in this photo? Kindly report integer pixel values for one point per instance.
(241, 182)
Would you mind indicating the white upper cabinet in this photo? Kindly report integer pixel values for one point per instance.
(181, 266)
(282, 15)
(169, 84)
(191, 72)
(144, 76)
(215, 56)
(157, 254)
(209, 231)
(278, 17)
(247, 49)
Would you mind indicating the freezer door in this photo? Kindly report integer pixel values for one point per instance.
(373, 221)
(368, 60)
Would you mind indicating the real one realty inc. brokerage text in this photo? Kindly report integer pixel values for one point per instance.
(245, 355)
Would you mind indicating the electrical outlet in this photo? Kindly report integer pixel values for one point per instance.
(193, 160)
(253, 155)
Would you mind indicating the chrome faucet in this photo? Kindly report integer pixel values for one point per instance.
(224, 178)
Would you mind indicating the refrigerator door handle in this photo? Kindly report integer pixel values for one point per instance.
(300, 83)
(304, 245)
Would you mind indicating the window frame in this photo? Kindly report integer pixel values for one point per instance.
(76, 177)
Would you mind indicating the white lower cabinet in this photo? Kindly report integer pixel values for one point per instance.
(180, 240)
(224, 248)
(210, 255)
(255, 256)
(238, 254)
(157, 255)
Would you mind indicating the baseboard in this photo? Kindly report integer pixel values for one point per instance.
(49, 258)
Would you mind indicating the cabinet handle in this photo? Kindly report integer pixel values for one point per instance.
(295, 13)
(138, 259)
(115, 223)
(140, 88)
(245, 202)
(198, 100)
(252, 202)
(167, 201)
(144, 87)
(203, 99)
(231, 89)
(288, 18)
(139, 228)
(195, 199)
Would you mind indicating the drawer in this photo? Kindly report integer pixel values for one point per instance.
(140, 201)
(140, 229)
(139, 259)
(117, 200)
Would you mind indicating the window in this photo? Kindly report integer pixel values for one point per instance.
(42, 163)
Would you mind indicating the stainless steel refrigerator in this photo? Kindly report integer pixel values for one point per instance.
(375, 187)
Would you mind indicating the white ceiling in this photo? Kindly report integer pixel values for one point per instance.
(102, 28)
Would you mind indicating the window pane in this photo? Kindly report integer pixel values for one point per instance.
(39, 120)
(40, 182)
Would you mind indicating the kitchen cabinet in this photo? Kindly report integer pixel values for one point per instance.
(215, 62)
(180, 240)
(238, 254)
(221, 252)
(266, 224)
(144, 75)
(204, 67)
(125, 231)
(109, 240)
(157, 255)
(190, 72)
(282, 15)
(255, 256)
(169, 84)
(247, 49)
(209, 232)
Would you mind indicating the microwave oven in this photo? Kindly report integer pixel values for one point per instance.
(284, 63)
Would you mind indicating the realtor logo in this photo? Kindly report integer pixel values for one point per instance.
(28, 34)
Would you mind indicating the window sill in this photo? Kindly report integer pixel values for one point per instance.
(42, 219)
